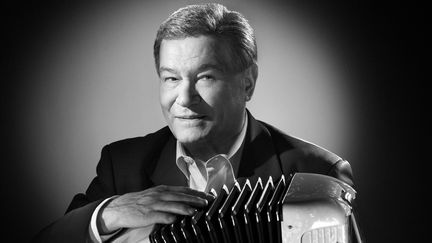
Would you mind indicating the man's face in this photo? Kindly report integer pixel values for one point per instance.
(200, 99)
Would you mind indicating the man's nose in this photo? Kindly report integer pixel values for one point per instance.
(187, 94)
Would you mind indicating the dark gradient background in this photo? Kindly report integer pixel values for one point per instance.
(347, 76)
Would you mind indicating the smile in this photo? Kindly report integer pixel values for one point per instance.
(192, 117)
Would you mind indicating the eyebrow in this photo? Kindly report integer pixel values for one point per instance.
(201, 68)
(161, 69)
(216, 67)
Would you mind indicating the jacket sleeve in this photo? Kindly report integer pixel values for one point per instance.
(74, 225)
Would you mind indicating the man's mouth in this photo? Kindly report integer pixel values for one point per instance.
(191, 117)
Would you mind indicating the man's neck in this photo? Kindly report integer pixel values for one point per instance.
(204, 151)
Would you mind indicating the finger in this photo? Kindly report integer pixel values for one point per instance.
(183, 198)
(173, 207)
(160, 217)
(187, 190)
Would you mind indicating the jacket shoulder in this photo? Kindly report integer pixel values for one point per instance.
(138, 151)
(299, 155)
(132, 160)
(291, 143)
(137, 143)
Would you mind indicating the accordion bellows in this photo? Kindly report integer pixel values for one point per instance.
(301, 208)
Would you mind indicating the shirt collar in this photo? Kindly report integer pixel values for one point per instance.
(232, 153)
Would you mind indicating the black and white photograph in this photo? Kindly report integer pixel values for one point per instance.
(214, 121)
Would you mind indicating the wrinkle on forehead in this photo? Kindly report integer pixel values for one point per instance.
(192, 51)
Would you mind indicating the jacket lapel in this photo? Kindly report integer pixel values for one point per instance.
(166, 171)
(259, 158)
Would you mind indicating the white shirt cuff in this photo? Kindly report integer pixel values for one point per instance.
(93, 230)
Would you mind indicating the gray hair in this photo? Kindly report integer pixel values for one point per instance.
(214, 20)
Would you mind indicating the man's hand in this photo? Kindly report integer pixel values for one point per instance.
(155, 205)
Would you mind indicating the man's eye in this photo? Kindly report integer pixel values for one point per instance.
(170, 79)
(206, 77)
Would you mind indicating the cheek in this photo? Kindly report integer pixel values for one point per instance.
(224, 98)
(214, 95)
(166, 98)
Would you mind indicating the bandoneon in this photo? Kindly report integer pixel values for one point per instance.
(300, 208)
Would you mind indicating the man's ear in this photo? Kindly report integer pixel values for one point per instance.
(250, 77)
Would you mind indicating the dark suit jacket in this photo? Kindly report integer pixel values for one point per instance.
(139, 163)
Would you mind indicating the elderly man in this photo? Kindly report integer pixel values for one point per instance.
(206, 59)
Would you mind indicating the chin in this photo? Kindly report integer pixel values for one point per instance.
(189, 136)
